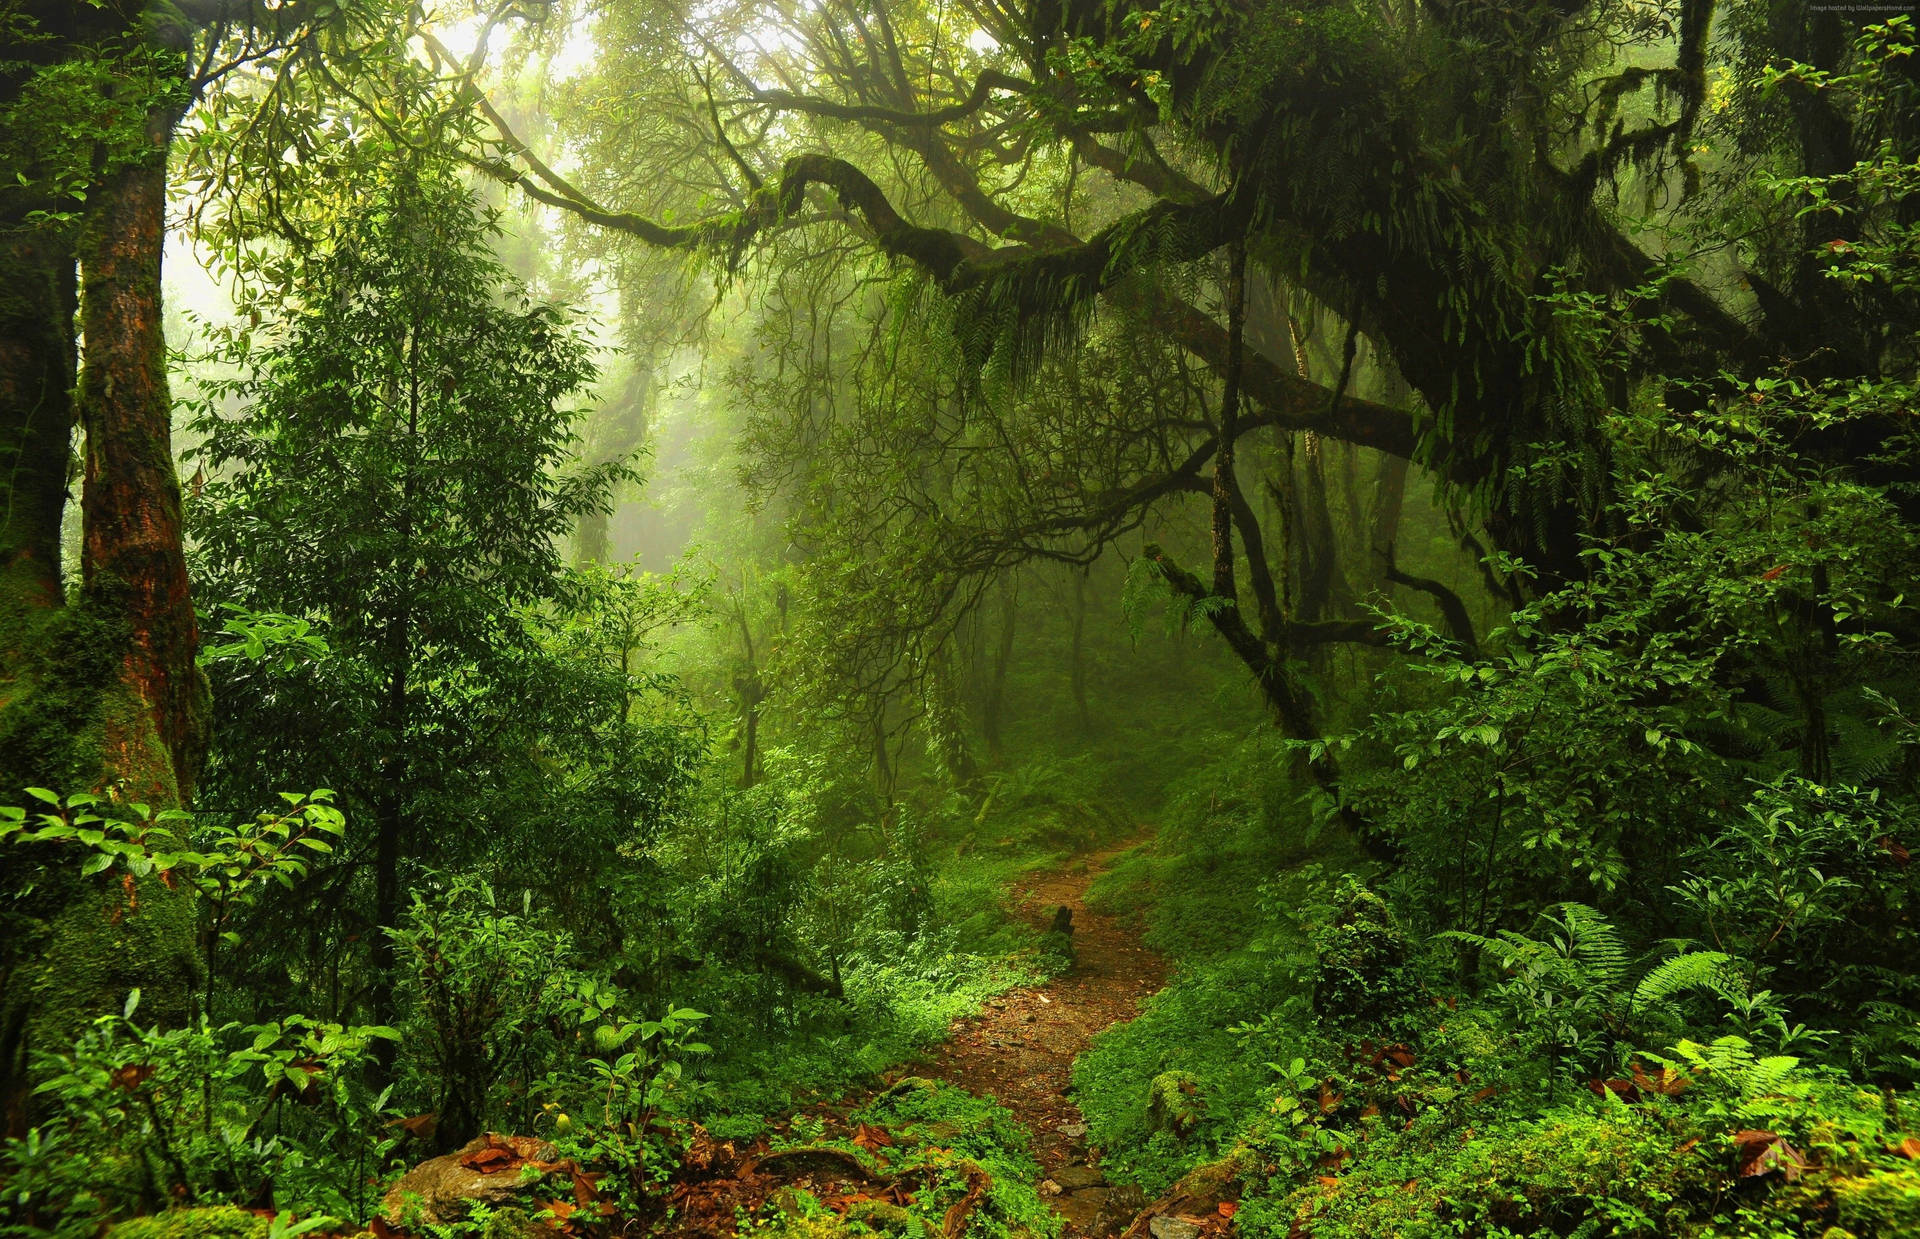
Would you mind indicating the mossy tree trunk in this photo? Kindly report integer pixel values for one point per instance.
(37, 362)
(103, 694)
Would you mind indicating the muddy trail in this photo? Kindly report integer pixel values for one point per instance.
(1020, 1049)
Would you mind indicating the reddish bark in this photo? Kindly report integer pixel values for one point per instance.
(130, 503)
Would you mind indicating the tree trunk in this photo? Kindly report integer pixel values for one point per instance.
(103, 695)
(1390, 494)
(132, 549)
(37, 305)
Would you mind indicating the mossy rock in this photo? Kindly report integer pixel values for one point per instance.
(881, 1216)
(219, 1222)
(1174, 1103)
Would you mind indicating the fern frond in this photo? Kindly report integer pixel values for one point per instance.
(1694, 970)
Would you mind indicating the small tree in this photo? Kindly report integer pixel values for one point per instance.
(397, 471)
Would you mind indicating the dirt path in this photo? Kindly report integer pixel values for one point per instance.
(1020, 1049)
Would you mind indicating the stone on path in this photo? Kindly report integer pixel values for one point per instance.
(1168, 1227)
(1073, 1178)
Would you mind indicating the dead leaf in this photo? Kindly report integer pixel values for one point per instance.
(1228, 1208)
(1667, 1082)
(1762, 1152)
(131, 1076)
(491, 1160)
(1908, 1148)
(871, 1138)
(420, 1126)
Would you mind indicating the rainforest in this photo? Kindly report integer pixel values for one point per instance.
(959, 619)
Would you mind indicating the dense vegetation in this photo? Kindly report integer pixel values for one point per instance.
(686, 505)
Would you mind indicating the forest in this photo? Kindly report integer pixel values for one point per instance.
(959, 619)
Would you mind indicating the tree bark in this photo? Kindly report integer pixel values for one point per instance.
(132, 547)
(37, 361)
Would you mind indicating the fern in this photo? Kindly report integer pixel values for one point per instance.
(1692, 971)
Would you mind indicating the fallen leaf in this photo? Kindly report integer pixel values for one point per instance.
(1908, 1148)
(1666, 1081)
(1762, 1152)
(492, 1159)
(869, 1137)
(1228, 1208)
(419, 1126)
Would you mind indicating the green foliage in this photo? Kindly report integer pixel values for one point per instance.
(959, 1136)
(148, 1116)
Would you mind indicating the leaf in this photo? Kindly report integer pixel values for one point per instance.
(97, 863)
(870, 1138)
(131, 1076)
(1908, 1148)
(419, 1126)
(1762, 1152)
(492, 1159)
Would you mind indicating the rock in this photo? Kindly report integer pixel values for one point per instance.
(1117, 1210)
(1049, 1188)
(1082, 1208)
(881, 1216)
(1169, 1227)
(1073, 1178)
(1174, 1103)
(1073, 1131)
(490, 1170)
(909, 1084)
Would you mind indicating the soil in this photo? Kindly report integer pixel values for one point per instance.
(1020, 1049)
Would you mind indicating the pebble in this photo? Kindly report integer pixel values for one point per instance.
(1165, 1227)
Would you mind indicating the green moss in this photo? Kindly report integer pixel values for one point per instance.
(881, 1216)
(1174, 1103)
(1885, 1202)
(75, 945)
(221, 1222)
